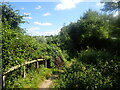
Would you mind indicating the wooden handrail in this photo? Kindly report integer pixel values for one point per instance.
(25, 63)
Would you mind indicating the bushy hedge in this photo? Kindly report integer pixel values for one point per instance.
(18, 48)
(102, 71)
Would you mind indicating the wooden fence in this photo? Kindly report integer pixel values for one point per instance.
(24, 72)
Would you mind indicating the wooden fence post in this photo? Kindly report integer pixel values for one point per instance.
(46, 63)
(4, 81)
(37, 64)
(24, 72)
(23, 68)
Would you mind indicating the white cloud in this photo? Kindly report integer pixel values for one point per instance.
(46, 14)
(27, 17)
(55, 32)
(34, 31)
(34, 28)
(22, 8)
(67, 4)
(100, 4)
(27, 13)
(116, 13)
(39, 7)
(43, 24)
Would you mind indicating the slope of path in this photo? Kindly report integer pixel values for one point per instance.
(47, 83)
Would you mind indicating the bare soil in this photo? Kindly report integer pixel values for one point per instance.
(47, 83)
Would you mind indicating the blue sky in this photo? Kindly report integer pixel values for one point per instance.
(46, 18)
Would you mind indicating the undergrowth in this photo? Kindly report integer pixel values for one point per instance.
(32, 79)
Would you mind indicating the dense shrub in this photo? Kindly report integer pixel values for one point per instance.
(84, 77)
(94, 56)
(90, 30)
(92, 70)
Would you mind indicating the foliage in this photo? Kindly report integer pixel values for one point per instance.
(86, 75)
(115, 27)
(89, 48)
(50, 48)
(83, 77)
(17, 48)
(40, 39)
(13, 17)
(111, 6)
(53, 40)
(91, 30)
(31, 80)
(95, 57)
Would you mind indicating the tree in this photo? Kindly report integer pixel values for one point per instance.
(91, 30)
(113, 5)
(65, 40)
(11, 17)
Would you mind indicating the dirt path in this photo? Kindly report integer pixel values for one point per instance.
(48, 82)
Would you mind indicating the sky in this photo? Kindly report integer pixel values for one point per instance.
(47, 18)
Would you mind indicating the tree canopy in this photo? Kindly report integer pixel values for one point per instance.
(11, 17)
(112, 5)
(90, 30)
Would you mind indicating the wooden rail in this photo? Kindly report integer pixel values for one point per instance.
(23, 64)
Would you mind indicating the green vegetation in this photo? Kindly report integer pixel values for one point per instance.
(88, 51)
(32, 80)
(92, 70)
(94, 39)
